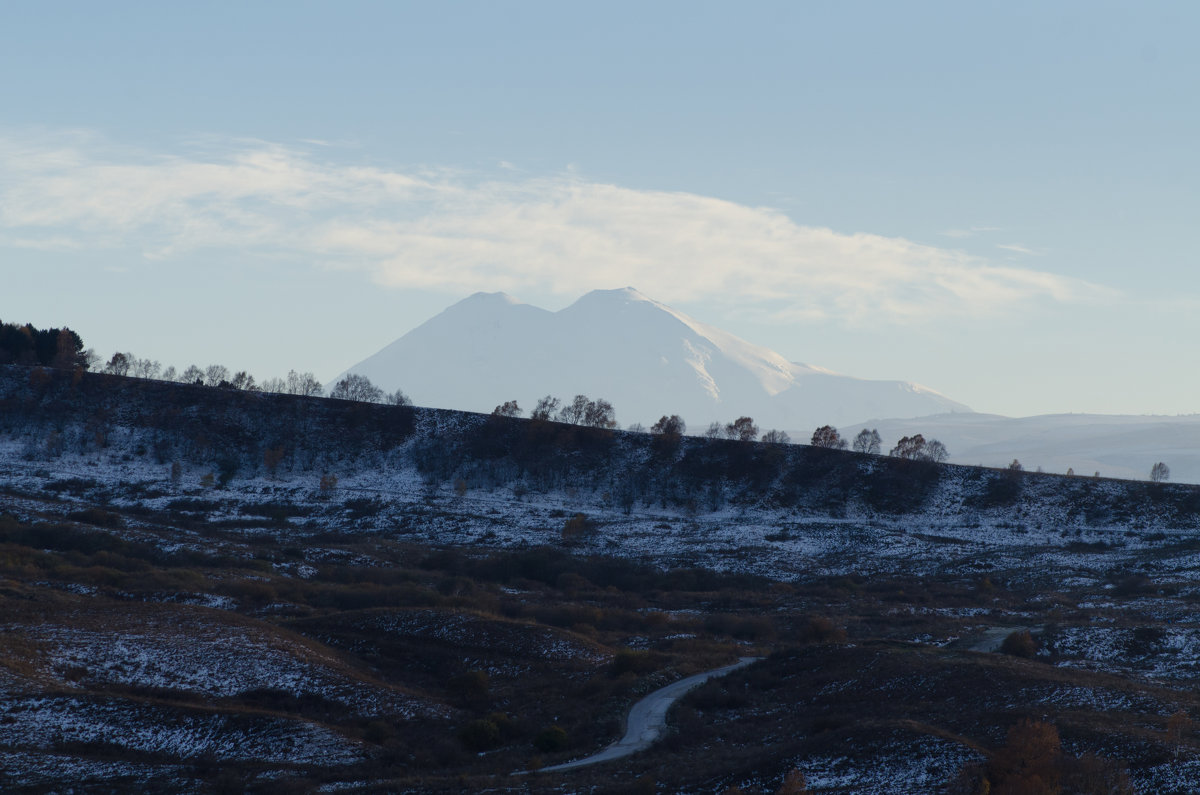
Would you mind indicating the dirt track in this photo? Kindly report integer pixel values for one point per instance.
(648, 718)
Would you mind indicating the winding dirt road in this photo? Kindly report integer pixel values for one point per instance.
(648, 718)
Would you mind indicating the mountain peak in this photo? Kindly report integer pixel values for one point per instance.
(644, 357)
(619, 295)
(490, 298)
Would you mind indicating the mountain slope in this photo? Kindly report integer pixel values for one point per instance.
(644, 357)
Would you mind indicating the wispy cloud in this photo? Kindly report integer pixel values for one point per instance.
(970, 231)
(1016, 248)
(448, 230)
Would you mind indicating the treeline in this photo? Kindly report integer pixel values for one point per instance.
(352, 387)
(51, 347)
(582, 410)
(56, 412)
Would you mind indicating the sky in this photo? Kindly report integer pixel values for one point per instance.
(996, 200)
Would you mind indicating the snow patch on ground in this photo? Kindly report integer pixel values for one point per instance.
(49, 722)
(902, 765)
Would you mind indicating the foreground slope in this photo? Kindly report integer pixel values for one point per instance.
(644, 357)
(397, 599)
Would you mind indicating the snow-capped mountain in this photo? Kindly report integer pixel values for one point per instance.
(642, 356)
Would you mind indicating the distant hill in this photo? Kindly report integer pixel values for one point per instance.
(751, 507)
(644, 357)
(1120, 446)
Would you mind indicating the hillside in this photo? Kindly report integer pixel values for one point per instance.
(644, 357)
(206, 589)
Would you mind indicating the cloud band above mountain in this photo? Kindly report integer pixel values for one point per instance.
(442, 229)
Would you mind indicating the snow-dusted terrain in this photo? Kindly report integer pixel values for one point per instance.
(644, 357)
(1114, 565)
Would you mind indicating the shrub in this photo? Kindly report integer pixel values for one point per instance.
(362, 507)
(1019, 644)
(479, 735)
(629, 661)
(1029, 760)
(794, 783)
(550, 739)
(577, 527)
(470, 687)
(819, 629)
(378, 731)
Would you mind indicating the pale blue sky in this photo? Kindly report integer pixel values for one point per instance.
(996, 200)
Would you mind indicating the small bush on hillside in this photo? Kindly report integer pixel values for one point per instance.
(794, 783)
(551, 739)
(819, 629)
(470, 687)
(1019, 644)
(362, 507)
(1000, 490)
(378, 732)
(479, 735)
(629, 661)
(577, 527)
(1032, 761)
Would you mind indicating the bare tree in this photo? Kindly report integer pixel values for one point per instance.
(169, 374)
(600, 414)
(545, 409)
(144, 368)
(192, 375)
(119, 364)
(357, 387)
(574, 412)
(303, 384)
(778, 437)
(936, 451)
(1015, 466)
(827, 436)
(243, 380)
(1160, 472)
(868, 442)
(715, 431)
(672, 426)
(508, 408)
(398, 398)
(215, 374)
(910, 447)
(743, 429)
